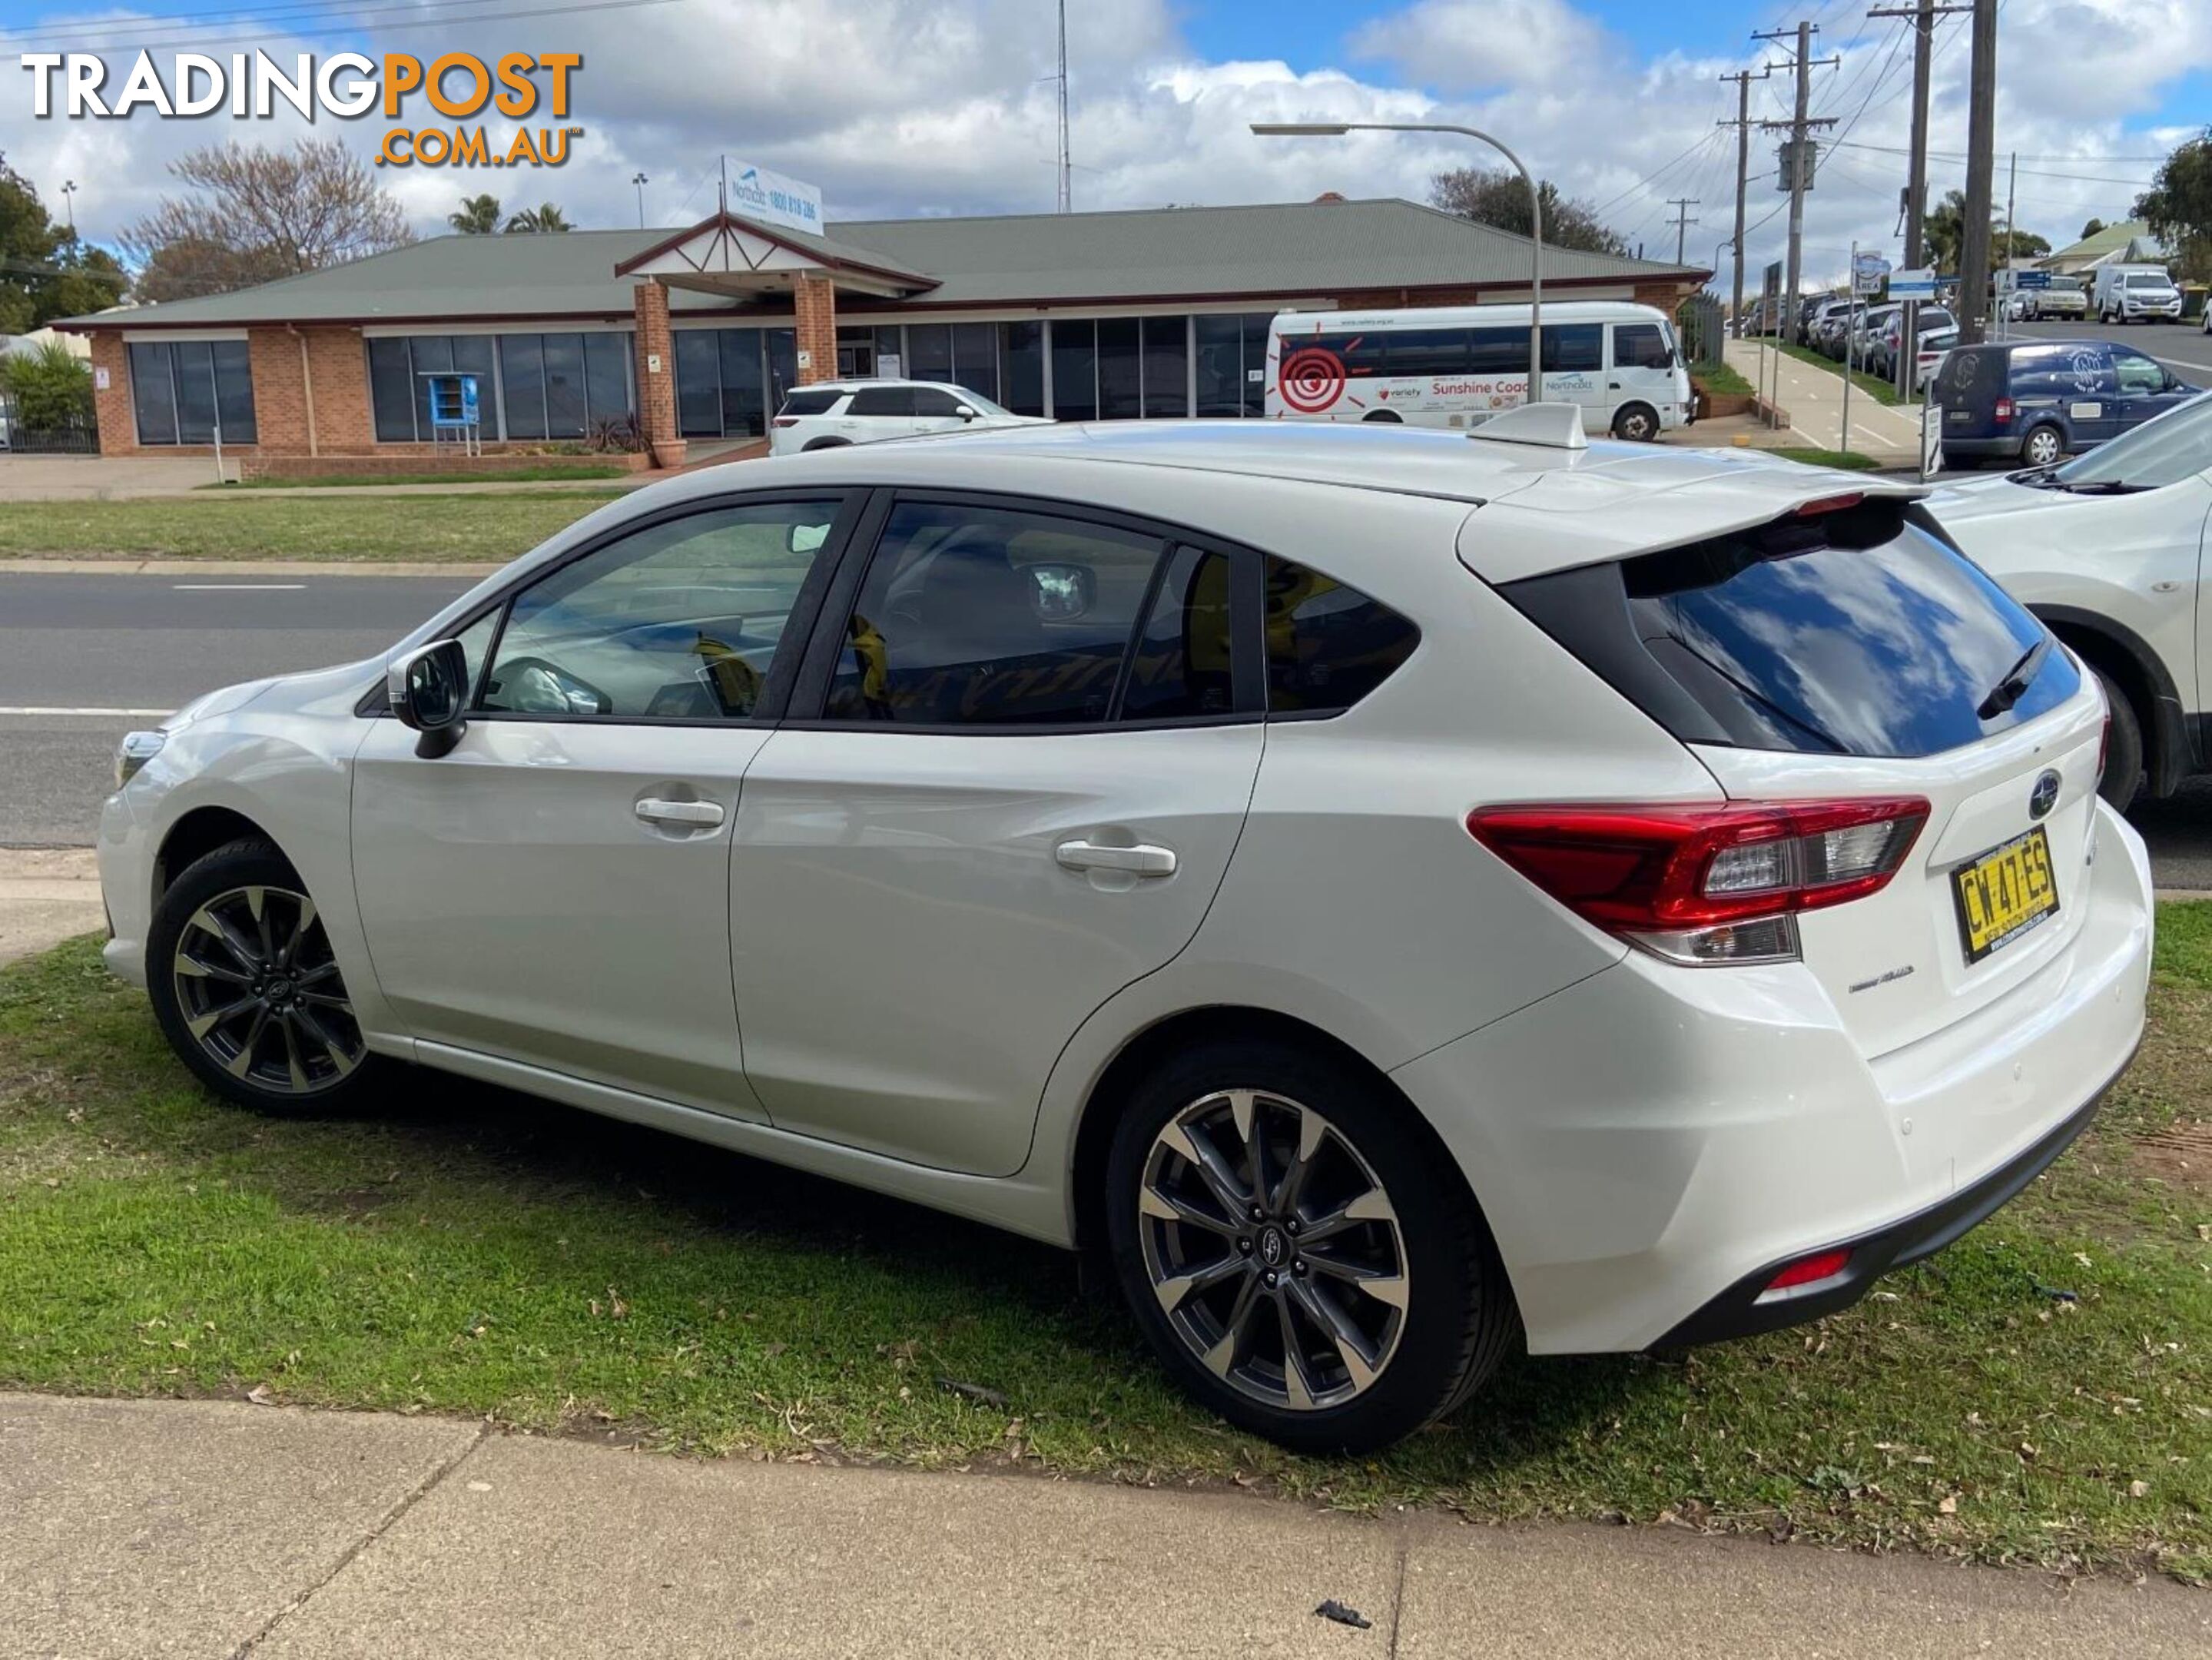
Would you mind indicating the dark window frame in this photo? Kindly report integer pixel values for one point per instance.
(807, 710)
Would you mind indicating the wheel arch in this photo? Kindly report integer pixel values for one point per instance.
(1147, 1048)
(197, 834)
(2127, 658)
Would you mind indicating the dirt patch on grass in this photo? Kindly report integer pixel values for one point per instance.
(2180, 1156)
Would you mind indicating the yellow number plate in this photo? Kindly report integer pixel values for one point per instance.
(2004, 893)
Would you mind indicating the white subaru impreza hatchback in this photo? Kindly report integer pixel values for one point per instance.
(1384, 891)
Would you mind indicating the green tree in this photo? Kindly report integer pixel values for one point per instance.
(49, 387)
(2092, 229)
(1499, 198)
(540, 220)
(1944, 232)
(2178, 205)
(479, 216)
(46, 272)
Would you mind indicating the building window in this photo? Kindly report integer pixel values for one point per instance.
(399, 367)
(1167, 367)
(1120, 370)
(928, 351)
(181, 391)
(1232, 364)
(1021, 362)
(555, 386)
(976, 358)
(1074, 369)
(729, 381)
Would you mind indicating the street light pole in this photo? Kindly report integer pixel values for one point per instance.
(69, 200)
(641, 181)
(1335, 129)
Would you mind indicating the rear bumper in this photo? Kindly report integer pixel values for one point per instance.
(1744, 1310)
(1650, 1144)
(2008, 444)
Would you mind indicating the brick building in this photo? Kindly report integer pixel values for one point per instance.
(697, 333)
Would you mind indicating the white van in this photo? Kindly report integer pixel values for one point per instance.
(2125, 294)
(1456, 366)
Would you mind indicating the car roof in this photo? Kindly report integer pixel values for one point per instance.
(855, 385)
(1538, 507)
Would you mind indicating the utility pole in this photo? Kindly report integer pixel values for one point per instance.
(1743, 78)
(1799, 165)
(1981, 166)
(1923, 18)
(1682, 205)
(1067, 195)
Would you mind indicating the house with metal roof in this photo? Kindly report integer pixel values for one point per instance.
(695, 334)
(2128, 243)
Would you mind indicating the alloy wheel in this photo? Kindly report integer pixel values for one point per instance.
(1274, 1252)
(260, 992)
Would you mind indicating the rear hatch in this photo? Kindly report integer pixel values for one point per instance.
(1972, 380)
(1841, 653)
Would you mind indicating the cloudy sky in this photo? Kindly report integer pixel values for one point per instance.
(943, 106)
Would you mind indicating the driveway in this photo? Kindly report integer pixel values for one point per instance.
(103, 478)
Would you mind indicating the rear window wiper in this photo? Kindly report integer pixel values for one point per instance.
(2010, 690)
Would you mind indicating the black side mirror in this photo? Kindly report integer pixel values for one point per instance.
(429, 689)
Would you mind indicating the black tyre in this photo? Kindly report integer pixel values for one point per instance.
(2044, 445)
(1636, 424)
(2124, 748)
(243, 982)
(1387, 417)
(1300, 1252)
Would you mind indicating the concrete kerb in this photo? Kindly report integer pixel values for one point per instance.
(146, 1527)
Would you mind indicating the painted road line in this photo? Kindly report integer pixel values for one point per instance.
(103, 714)
(237, 587)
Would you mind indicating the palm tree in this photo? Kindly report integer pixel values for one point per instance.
(540, 220)
(1945, 231)
(479, 216)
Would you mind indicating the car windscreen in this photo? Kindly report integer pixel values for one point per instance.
(2144, 279)
(2177, 445)
(1858, 631)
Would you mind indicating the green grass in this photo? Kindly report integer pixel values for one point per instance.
(1721, 381)
(495, 526)
(1850, 460)
(518, 475)
(1880, 391)
(462, 1250)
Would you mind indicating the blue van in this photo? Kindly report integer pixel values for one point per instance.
(2034, 401)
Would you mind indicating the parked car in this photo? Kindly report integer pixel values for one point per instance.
(1869, 325)
(2063, 298)
(1827, 323)
(1383, 891)
(1934, 347)
(2106, 550)
(1888, 340)
(2037, 400)
(2135, 294)
(838, 412)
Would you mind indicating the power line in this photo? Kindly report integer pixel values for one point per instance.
(423, 18)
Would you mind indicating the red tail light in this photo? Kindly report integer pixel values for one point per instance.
(2005, 410)
(785, 421)
(1704, 885)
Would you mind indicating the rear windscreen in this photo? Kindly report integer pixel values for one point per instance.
(1857, 632)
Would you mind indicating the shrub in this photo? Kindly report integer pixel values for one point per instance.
(50, 387)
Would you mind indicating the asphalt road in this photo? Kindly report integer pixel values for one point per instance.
(2182, 347)
(94, 656)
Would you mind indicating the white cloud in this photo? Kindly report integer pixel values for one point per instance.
(904, 106)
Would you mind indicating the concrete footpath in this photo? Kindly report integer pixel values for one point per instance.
(160, 1529)
(46, 894)
(1811, 396)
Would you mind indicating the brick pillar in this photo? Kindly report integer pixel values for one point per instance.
(119, 426)
(814, 305)
(656, 376)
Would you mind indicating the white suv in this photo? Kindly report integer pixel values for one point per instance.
(1384, 891)
(2106, 549)
(862, 411)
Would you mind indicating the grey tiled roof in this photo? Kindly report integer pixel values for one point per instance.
(1317, 248)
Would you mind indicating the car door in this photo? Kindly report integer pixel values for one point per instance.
(2144, 389)
(1642, 366)
(877, 412)
(554, 890)
(1010, 799)
(936, 410)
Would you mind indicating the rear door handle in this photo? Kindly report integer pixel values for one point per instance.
(698, 815)
(1140, 860)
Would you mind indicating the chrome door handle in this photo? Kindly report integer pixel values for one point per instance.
(1139, 860)
(699, 814)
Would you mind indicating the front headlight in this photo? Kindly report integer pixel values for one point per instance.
(136, 749)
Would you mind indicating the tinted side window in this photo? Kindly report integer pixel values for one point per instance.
(809, 403)
(1328, 645)
(1639, 346)
(1428, 351)
(679, 620)
(2137, 373)
(1498, 351)
(883, 400)
(1180, 667)
(976, 616)
(934, 401)
(1573, 347)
